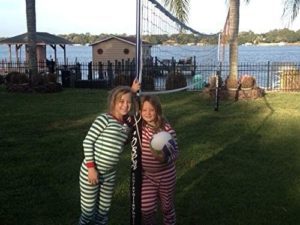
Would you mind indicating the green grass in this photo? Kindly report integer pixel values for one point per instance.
(238, 166)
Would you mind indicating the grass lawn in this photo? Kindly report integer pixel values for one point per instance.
(238, 166)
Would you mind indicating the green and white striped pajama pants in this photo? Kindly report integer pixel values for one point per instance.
(96, 199)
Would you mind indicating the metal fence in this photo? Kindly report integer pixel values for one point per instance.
(271, 76)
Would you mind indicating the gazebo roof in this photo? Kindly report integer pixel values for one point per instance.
(41, 38)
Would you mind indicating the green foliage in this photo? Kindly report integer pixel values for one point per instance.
(240, 165)
(281, 35)
(17, 82)
(247, 37)
(44, 83)
(274, 36)
(16, 78)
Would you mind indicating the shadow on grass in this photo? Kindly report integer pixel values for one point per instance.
(247, 176)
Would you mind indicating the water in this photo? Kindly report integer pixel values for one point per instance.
(287, 53)
(204, 54)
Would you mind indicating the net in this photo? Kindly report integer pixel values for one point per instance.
(173, 54)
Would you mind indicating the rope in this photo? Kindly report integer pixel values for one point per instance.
(169, 91)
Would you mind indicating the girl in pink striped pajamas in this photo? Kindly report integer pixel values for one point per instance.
(159, 174)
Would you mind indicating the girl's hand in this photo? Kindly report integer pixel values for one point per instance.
(93, 176)
(158, 155)
(135, 86)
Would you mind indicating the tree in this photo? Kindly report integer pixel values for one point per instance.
(180, 8)
(31, 34)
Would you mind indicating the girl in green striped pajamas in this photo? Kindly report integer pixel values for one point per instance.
(102, 147)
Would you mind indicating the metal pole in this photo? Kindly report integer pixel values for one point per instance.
(138, 53)
(219, 48)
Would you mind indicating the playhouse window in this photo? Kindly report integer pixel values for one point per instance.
(100, 51)
(126, 51)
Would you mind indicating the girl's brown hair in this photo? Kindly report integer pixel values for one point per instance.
(155, 102)
(115, 95)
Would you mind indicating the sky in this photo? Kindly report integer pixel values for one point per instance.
(118, 16)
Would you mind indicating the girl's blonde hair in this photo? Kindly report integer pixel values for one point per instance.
(115, 95)
(160, 121)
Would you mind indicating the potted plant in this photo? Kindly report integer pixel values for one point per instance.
(247, 82)
(232, 84)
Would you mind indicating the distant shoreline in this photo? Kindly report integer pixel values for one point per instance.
(273, 44)
(200, 44)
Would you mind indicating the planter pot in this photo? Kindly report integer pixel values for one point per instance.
(246, 89)
(232, 89)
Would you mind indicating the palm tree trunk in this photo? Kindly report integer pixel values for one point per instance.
(233, 59)
(31, 33)
(234, 16)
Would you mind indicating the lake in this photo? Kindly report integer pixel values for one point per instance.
(204, 54)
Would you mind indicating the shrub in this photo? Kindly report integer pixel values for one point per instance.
(51, 77)
(19, 82)
(22, 88)
(2, 78)
(175, 80)
(17, 78)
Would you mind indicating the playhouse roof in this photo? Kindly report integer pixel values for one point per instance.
(128, 39)
(41, 38)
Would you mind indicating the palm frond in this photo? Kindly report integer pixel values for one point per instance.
(291, 9)
(180, 8)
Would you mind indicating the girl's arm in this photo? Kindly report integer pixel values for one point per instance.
(170, 150)
(135, 86)
(88, 143)
(88, 147)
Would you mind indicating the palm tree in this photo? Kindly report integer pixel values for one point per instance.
(234, 18)
(291, 9)
(31, 34)
(180, 8)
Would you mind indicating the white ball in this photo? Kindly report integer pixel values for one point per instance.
(160, 139)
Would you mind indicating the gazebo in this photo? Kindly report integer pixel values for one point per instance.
(42, 39)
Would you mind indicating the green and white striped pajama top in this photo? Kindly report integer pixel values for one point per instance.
(102, 145)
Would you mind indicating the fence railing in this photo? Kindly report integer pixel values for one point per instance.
(271, 76)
